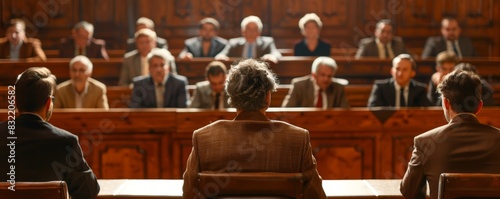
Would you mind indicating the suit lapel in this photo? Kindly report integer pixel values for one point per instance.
(411, 94)
(199, 50)
(167, 92)
(392, 93)
(309, 101)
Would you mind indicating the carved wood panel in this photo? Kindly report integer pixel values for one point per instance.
(401, 154)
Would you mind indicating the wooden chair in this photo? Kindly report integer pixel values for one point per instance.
(469, 185)
(39, 190)
(250, 185)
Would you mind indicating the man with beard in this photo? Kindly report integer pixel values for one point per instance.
(81, 91)
(208, 44)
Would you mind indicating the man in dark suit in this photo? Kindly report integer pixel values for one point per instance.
(208, 44)
(160, 89)
(462, 146)
(251, 45)
(210, 93)
(15, 45)
(143, 23)
(82, 42)
(36, 150)
(450, 40)
(400, 90)
(319, 89)
(383, 45)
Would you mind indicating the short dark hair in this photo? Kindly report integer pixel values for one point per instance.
(33, 87)
(462, 89)
(466, 67)
(446, 57)
(215, 68)
(405, 57)
(15, 22)
(209, 20)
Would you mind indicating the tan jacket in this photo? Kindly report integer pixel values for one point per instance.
(95, 97)
(31, 49)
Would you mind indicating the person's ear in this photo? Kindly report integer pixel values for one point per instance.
(479, 107)
(446, 103)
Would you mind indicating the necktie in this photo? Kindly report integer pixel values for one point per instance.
(402, 101)
(455, 49)
(387, 56)
(250, 51)
(319, 103)
(217, 101)
(159, 95)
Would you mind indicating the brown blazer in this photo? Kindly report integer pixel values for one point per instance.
(302, 94)
(95, 97)
(31, 49)
(252, 143)
(96, 48)
(462, 146)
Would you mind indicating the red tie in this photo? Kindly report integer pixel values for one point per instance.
(319, 104)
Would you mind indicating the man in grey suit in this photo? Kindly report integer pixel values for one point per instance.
(450, 40)
(400, 90)
(383, 45)
(463, 145)
(210, 93)
(208, 44)
(319, 89)
(251, 45)
(143, 23)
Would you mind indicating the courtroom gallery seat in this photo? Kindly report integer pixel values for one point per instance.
(469, 185)
(260, 185)
(39, 190)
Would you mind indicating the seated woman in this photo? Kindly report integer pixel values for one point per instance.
(310, 26)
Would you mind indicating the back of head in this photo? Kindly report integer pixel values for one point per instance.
(463, 91)
(215, 68)
(209, 20)
(248, 83)
(146, 22)
(33, 87)
(445, 57)
(466, 67)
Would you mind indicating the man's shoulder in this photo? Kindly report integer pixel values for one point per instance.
(97, 83)
(435, 39)
(202, 84)
(267, 39)
(367, 41)
(301, 80)
(220, 39)
(191, 40)
(141, 79)
(33, 41)
(130, 55)
(418, 84)
(382, 81)
(99, 42)
(63, 85)
(235, 41)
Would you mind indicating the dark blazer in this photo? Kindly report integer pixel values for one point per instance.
(202, 96)
(96, 48)
(30, 49)
(194, 46)
(46, 153)
(160, 43)
(265, 45)
(368, 47)
(322, 49)
(487, 94)
(462, 146)
(286, 149)
(302, 94)
(384, 94)
(174, 96)
(437, 44)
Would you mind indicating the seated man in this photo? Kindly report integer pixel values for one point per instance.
(383, 45)
(400, 90)
(251, 45)
(15, 45)
(249, 86)
(488, 90)
(81, 91)
(160, 89)
(143, 23)
(450, 40)
(210, 93)
(319, 89)
(82, 42)
(462, 145)
(445, 63)
(135, 62)
(208, 44)
(43, 152)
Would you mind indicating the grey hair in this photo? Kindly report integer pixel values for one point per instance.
(325, 61)
(86, 26)
(307, 18)
(248, 83)
(146, 21)
(379, 24)
(85, 61)
(145, 32)
(165, 55)
(251, 19)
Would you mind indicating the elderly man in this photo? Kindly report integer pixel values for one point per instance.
(383, 45)
(400, 90)
(210, 93)
(159, 89)
(251, 45)
(319, 89)
(147, 23)
(16, 46)
(135, 62)
(81, 91)
(450, 40)
(207, 44)
(445, 63)
(82, 42)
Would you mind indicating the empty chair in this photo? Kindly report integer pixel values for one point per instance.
(469, 185)
(39, 190)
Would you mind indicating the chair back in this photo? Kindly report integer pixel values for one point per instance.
(39, 190)
(254, 185)
(469, 185)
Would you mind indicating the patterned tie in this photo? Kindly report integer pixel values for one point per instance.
(217, 101)
(402, 101)
(319, 103)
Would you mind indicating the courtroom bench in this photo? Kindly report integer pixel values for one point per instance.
(112, 53)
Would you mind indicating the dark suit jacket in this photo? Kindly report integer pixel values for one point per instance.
(302, 94)
(143, 93)
(96, 48)
(30, 49)
(462, 146)
(265, 45)
(435, 45)
(323, 49)
(160, 43)
(46, 153)
(384, 94)
(202, 96)
(286, 149)
(368, 47)
(486, 96)
(194, 46)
